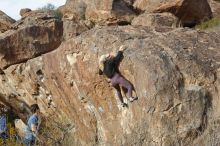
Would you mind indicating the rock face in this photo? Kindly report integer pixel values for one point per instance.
(215, 6)
(189, 12)
(110, 12)
(156, 20)
(39, 33)
(5, 22)
(107, 12)
(73, 28)
(175, 73)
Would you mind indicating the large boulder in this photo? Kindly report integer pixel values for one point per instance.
(73, 23)
(156, 20)
(5, 22)
(36, 34)
(73, 28)
(107, 12)
(189, 12)
(175, 73)
(20, 127)
(24, 12)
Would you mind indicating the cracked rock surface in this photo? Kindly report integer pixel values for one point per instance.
(175, 73)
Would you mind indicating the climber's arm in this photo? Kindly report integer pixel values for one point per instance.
(118, 57)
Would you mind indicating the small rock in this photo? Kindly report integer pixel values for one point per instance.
(24, 12)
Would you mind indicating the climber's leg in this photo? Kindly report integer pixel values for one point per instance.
(126, 84)
(117, 87)
(115, 84)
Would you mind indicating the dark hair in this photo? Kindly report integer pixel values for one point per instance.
(34, 108)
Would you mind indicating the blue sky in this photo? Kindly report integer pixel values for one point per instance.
(12, 7)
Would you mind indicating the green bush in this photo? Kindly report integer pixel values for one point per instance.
(212, 23)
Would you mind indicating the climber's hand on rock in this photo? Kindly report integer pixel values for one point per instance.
(109, 80)
(122, 48)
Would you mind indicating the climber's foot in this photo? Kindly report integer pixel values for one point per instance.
(131, 99)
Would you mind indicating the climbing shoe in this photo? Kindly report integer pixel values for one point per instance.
(131, 99)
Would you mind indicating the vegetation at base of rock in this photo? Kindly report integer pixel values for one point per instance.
(212, 23)
(54, 131)
(13, 138)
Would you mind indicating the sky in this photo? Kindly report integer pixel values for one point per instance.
(13, 7)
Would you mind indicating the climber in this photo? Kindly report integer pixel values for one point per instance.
(32, 126)
(108, 65)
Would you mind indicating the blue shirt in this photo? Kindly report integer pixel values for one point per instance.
(2, 123)
(28, 132)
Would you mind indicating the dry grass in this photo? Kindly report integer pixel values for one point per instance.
(55, 131)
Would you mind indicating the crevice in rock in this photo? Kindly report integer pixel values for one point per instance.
(25, 60)
(48, 17)
(168, 108)
(1, 72)
(214, 83)
(122, 23)
(40, 75)
(18, 106)
(208, 105)
(96, 134)
(190, 24)
(215, 77)
(172, 107)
